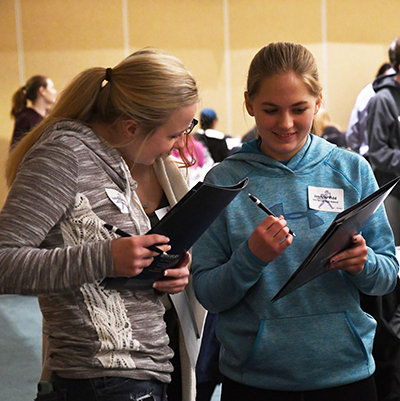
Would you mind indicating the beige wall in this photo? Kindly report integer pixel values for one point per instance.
(216, 39)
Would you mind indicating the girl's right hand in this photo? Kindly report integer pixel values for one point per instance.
(131, 254)
(269, 239)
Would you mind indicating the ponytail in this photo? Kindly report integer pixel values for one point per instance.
(147, 86)
(18, 102)
(28, 92)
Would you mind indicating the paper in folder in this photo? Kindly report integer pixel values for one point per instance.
(183, 225)
(336, 239)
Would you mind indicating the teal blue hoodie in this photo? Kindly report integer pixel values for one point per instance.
(317, 336)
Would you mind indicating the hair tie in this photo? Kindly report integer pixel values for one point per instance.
(108, 74)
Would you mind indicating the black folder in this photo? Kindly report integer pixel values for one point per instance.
(336, 239)
(183, 225)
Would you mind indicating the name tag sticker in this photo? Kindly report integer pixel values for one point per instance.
(118, 199)
(160, 213)
(326, 199)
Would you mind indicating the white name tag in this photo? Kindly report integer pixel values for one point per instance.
(118, 199)
(160, 213)
(326, 199)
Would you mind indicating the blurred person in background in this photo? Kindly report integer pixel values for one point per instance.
(214, 140)
(327, 129)
(383, 129)
(40, 92)
(198, 158)
(356, 135)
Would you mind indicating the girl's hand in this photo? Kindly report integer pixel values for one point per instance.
(353, 259)
(269, 239)
(177, 278)
(131, 256)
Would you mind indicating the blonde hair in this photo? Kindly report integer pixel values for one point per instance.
(147, 86)
(283, 57)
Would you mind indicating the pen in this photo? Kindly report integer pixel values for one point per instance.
(265, 209)
(122, 233)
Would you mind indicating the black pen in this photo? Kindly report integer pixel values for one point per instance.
(265, 209)
(125, 234)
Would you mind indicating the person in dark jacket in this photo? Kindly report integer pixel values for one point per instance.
(384, 137)
(213, 139)
(383, 129)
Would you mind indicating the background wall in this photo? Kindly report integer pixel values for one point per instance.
(216, 39)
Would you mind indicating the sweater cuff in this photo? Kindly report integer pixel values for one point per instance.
(252, 257)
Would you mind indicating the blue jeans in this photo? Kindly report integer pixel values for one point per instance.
(111, 389)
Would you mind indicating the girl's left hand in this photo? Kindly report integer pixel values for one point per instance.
(177, 278)
(351, 260)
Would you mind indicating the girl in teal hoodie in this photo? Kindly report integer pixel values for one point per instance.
(316, 342)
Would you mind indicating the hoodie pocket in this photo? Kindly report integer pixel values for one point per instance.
(300, 349)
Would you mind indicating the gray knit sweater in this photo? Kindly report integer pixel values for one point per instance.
(53, 243)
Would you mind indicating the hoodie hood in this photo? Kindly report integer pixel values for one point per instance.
(385, 81)
(101, 153)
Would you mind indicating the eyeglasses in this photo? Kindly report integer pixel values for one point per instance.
(190, 128)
